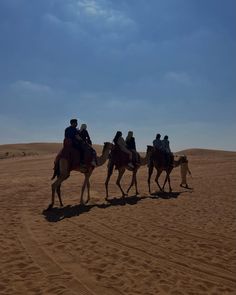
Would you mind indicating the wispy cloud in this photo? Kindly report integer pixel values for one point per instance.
(100, 10)
(31, 87)
(179, 77)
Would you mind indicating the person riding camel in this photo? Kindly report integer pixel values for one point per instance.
(120, 142)
(70, 135)
(83, 133)
(131, 145)
(87, 143)
(157, 143)
(166, 149)
(73, 138)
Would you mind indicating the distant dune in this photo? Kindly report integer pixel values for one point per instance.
(30, 149)
(44, 148)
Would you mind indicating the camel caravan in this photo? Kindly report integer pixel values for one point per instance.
(78, 154)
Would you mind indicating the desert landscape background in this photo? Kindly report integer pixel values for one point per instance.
(182, 243)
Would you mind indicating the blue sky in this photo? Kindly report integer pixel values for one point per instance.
(151, 66)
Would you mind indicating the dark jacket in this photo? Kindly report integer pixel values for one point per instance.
(85, 136)
(71, 132)
(131, 144)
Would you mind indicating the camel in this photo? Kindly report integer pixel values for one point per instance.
(157, 160)
(64, 172)
(120, 160)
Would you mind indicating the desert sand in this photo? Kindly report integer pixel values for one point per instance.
(180, 243)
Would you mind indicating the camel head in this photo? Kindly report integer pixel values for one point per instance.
(181, 160)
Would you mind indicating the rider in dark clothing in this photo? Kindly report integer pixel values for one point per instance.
(71, 132)
(87, 143)
(83, 133)
(130, 144)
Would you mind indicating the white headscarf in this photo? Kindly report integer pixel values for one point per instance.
(83, 127)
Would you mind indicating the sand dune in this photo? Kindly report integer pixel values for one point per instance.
(180, 243)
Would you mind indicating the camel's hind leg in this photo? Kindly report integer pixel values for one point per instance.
(56, 185)
(167, 179)
(85, 184)
(134, 182)
(121, 173)
(110, 167)
(150, 171)
(157, 177)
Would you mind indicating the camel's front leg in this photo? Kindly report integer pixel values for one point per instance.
(109, 173)
(121, 173)
(170, 188)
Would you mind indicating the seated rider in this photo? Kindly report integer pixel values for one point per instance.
(87, 143)
(157, 143)
(83, 133)
(166, 150)
(73, 138)
(120, 142)
(130, 144)
(70, 134)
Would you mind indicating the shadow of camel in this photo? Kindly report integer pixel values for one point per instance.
(165, 195)
(57, 214)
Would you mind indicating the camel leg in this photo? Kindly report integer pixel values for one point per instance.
(134, 182)
(157, 177)
(88, 186)
(121, 173)
(109, 173)
(58, 190)
(83, 188)
(167, 179)
(150, 171)
(170, 188)
(64, 174)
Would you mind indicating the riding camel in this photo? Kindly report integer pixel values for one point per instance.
(159, 161)
(69, 161)
(120, 161)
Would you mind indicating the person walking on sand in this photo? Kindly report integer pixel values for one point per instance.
(184, 170)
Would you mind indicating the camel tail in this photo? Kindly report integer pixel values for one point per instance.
(56, 169)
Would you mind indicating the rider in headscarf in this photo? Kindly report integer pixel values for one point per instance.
(130, 143)
(120, 142)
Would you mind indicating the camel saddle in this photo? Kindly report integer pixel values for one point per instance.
(162, 158)
(121, 158)
(73, 155)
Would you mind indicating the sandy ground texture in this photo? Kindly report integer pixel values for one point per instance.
(179, 243)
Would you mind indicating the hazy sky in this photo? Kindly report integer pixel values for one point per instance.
(151, 66)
